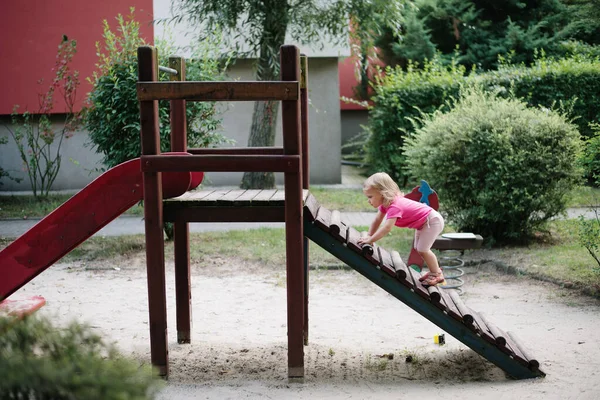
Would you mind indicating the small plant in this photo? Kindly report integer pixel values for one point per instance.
(37, 139)
(41, 361)
(589, 235)
(331, 352)
(590, 157)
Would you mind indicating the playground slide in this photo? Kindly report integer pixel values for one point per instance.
(84, 214)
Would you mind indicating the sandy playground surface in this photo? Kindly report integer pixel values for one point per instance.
(360, 336)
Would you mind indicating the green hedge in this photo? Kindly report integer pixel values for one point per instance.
(401, 98)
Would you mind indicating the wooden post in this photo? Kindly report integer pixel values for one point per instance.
(153, 218)
(305, 174)
(294, 233)
(181, 231)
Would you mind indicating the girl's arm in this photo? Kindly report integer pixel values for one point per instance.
(376, 230)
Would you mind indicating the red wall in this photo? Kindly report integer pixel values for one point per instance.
(30, 32)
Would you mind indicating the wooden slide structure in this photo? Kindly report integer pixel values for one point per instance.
(303, 217)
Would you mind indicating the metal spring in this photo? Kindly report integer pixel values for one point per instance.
(451, 263)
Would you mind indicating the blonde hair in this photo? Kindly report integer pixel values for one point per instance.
(385, 185)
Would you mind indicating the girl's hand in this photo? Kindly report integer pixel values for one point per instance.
(365, 240)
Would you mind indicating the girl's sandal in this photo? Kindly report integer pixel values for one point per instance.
(433, 279)
(424, 276)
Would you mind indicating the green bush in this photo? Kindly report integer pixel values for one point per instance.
(40, 361)
(113, 118)
(501, 169)
(402, 96)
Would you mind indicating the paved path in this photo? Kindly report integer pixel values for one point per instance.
(133, 225)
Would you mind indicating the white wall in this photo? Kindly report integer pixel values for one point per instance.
(77, 167)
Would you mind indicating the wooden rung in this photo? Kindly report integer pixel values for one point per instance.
(434, 294)
(465, 312)
(450, 306)
(352, 240)
(385, 262)
(236, 150)
(366, 249)
(311, 205)
(494, 330)
(373, 255)
(336, 227)
(401, 269)
(219, 91)
(323, 218)
(531, 362)
(484, 331)
(221, 163)
(418, 286)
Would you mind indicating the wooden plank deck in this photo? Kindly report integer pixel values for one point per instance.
(224, 205)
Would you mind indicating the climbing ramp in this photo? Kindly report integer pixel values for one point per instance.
(442, 307)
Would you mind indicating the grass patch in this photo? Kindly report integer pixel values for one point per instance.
(584, 196)
(347, 200)
(24, 206)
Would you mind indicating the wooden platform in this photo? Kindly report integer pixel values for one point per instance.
(230, 205)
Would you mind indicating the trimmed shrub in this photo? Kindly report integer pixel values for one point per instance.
(40, 361)
(402, 97)
(501, 169)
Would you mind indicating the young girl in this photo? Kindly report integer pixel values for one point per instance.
(385, 195)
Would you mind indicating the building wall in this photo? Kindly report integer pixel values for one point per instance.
(79, 161)
(30, 32)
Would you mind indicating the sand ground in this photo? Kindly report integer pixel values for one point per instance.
(360, 336)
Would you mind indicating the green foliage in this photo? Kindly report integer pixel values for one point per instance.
(41, 361)
(572, 82)
(589, 236)
(590, 157)
(501, 169)
(260, 27)
(402, 96)
(482, 30)
(35, 135)
(113, 118)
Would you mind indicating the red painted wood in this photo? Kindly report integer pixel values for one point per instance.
(84, 214)
(294, 228)
(21, 307)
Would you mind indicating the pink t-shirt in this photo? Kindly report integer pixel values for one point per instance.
(408, 213)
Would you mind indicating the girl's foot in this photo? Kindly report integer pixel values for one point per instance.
(424, 276)
(433, 279)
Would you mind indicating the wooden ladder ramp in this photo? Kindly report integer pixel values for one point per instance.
(442, 307)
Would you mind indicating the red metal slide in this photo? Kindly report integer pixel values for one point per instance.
(84, 214)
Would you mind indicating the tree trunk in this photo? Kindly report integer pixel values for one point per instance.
(262, 133)
(264, 117)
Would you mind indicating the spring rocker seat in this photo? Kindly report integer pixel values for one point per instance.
(451, 246)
